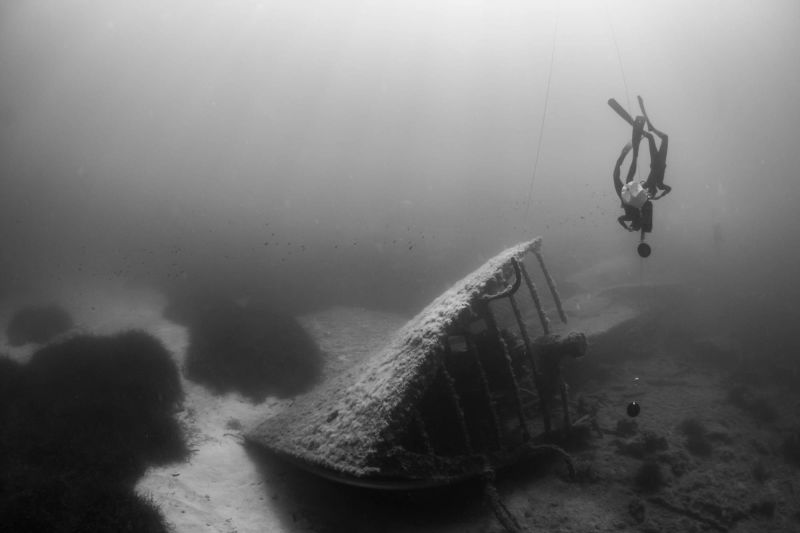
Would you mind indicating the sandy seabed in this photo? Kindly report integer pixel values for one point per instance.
(742, 482)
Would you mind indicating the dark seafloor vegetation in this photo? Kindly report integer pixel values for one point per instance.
(79, 424)
(247, 347)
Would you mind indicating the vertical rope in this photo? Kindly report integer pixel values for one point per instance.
(619, 55)
(544, 117)
(621, 68)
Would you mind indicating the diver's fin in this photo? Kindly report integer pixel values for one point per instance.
(644, 112)
(620, 111)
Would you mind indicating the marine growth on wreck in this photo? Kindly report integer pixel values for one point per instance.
(468, 385)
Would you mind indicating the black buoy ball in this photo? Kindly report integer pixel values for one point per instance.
(643, 249)
(633, 409)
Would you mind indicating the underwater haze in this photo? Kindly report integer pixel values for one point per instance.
(227, 175)
(382, 149)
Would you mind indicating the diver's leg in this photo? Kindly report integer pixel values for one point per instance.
(651, 182)
(662, 150)
(644, 112)
(662, 166)
(651, 143)
(632, 168)
(636, 138)
(620, 160)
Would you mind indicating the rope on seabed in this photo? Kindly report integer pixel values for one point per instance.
(538, 448)
(503, 514)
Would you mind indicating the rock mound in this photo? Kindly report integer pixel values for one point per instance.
(252, 350)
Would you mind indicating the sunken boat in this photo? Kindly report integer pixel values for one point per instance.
(468, 386)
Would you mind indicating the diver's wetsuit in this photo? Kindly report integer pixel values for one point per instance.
(632, 214)
(658, 158)
(636, 138)
(647, 217)
(658, 165)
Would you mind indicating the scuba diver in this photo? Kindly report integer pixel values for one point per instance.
(635, 195)
(658, 157)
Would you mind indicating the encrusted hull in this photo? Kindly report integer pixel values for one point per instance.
(470, 384)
